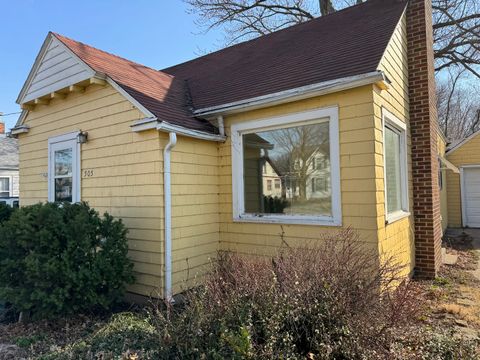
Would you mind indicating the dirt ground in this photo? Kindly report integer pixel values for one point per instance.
(451, 302)
(453, 299)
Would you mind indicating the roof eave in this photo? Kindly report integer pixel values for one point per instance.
(463, 142)
(34, 67)
(303, 92)
(154, 123)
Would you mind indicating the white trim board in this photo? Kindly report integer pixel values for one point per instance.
(153, 123)
(391, 121)
(52, 42)
(10, 185)
(463, 142)
(48, 78)
(70, 140)
(294, 94)
(308, 117)
(463, 192)
(130, 98)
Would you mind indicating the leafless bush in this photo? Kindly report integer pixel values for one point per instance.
(334, 300)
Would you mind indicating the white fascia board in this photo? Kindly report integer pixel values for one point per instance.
(130, 98)
(38, 61)
(19, 130)
(154, 123)
(180, 130)
(295, 94)
(36, 64)
(21, 118)
(144, 124)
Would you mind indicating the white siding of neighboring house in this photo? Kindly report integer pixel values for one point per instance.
(14, 181)
(269, 175)
(315, 173)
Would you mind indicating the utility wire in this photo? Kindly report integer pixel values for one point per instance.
(14, 113)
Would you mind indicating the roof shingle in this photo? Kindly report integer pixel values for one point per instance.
(346, 43)
(164, 95)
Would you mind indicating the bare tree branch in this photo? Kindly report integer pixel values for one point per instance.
(457, 34)
(456, 23)
(456, 29)
(458, 103)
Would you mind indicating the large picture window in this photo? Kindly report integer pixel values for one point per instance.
(64, 168)
(4, 187)
(299, 155)
(395, 163)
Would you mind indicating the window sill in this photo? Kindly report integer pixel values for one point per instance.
(396, 216)
(300, 220)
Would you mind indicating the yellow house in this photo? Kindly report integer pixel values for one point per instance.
(464, 184)
(178, 154)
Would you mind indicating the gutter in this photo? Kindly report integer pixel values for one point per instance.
(20, 129)
(167, 194)
(154, 123)
(376, 77)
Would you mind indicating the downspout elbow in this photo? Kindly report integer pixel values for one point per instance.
(168, 214)
(221, 126)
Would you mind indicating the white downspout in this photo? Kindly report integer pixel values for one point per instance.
(167, 194)
(221, 127)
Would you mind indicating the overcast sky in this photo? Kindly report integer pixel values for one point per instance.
(156, 33)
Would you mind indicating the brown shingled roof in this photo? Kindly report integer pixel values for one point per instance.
(346, 43)
(164, 95)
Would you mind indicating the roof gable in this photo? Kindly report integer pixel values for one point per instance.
(55, 68)
(460, 143)
(163, 95)
(346, 46)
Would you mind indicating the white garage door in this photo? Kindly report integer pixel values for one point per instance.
(471, 196)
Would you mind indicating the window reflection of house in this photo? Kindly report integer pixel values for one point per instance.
(271, 179)
(317, 177)
(287, 170)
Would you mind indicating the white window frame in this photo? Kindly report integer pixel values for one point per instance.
(10, 185)
(315, 116)
(70, 140)
(391, 121)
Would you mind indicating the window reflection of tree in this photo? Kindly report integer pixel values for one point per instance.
(295, 149)
(293, 158)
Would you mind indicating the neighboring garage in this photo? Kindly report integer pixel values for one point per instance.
(463, 194)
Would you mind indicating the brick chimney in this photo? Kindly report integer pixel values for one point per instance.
(423, 124)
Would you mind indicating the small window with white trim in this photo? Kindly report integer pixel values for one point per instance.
(292, 145)
(395, 164)
(5, 187)
(64, 168)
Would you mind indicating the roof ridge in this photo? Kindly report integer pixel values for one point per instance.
(60, 36)
(319, 18)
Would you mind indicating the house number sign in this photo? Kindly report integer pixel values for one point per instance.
(88, 173)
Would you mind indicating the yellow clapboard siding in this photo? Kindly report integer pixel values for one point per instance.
(126, 180)
(396, 238)
(195, 207)
(467, 154)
